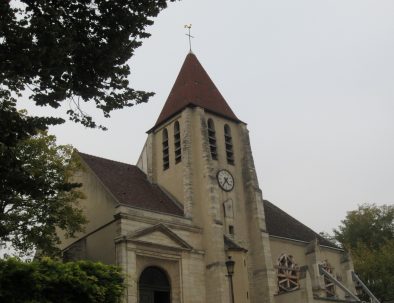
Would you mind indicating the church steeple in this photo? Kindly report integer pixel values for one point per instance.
(199, 153)
(193, 87)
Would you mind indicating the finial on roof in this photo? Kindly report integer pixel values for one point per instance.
(189, 26)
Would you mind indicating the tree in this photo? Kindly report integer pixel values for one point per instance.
(36, 195)
(73, 50)
(376, 269)
(55, 52)
(329, 237)
(368, 233)
(369, 224)
(51, 281)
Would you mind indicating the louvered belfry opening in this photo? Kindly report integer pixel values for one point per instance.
(166, 158)
(229, 144)
(177, 142)
(212, 139)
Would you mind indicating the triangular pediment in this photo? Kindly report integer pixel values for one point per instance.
(159, 235)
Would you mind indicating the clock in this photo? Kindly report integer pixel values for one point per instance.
(225, 180)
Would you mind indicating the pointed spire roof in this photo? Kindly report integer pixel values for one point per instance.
(193, 87)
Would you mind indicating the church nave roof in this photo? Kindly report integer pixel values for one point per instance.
(130, 185)
(281, 224)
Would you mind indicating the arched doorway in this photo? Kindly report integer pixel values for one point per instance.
(154, 286)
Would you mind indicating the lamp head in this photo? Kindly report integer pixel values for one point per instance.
(230, 266)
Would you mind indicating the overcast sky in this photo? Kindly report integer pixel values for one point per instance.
(312, 79)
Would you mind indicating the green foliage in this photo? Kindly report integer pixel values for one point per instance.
(36, 196)
(73, 50)
(369, 224)
(368, 233)
(329, 237)
(16, 126)
(48, 281)
(55, 52)
(376, 269)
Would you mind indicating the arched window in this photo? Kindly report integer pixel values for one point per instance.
(229, 144)
(154, 286)
(166, 158)
(328, 284)
(288, 273)
(177, 142)
(212, 139)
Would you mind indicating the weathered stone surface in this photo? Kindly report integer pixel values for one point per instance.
(190, 248)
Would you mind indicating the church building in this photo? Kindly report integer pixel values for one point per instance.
(188, 223)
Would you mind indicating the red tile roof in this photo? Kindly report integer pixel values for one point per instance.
(130, 186)
(193, 87)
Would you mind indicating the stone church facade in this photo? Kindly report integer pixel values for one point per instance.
(191, 202)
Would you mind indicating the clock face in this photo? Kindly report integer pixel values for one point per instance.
(225, 180)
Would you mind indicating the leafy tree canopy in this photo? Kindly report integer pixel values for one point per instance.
(36, 195)
(51, 281)
(73, 50)
(368, 233)
(16, 126)
(54, 52)
(369, 224)
(376, 269)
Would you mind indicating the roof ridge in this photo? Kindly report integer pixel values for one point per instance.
(97, 157)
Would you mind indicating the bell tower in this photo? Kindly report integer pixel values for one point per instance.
(199, 152)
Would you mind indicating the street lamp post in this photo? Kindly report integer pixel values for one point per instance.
(230, 271)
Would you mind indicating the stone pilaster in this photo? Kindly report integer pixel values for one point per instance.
(313, 258)
(193, 278)
(187, 159)
(217, 288)
(348, 268)
(261, 271)
(127, 262)
(149, 154)
(308, 287)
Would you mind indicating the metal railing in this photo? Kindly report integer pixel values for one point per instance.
(356, 279)
(330, 277)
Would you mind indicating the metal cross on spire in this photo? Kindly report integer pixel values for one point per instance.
(189, 26)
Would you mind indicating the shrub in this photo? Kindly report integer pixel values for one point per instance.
(48, 281)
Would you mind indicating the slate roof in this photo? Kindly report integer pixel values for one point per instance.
(193, 87)
(130, 186)
(281, 224)
(231, 245)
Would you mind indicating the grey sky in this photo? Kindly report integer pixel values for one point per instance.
(313, 80)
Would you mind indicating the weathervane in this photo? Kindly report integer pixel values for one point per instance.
(189, 26)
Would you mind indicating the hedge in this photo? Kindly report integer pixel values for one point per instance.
(49, 281)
